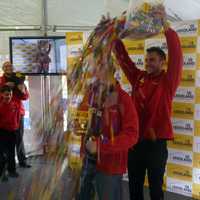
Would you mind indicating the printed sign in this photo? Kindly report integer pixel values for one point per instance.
(189, 61)
(188, 78)
(183, 142)
(134, 47)
(180, 157)
(198, 78)
(189, 28)
(196, 146)
(182, 126)
(196, 175)
(138, 60)
(196, 191)
(74, 38)
(185, 94)
(197, 112)
(196, 160)
(197, 128)
(74, 50)
(180, 187)
(183, 110)
(179, 172)
(189, 44)
(197, 95)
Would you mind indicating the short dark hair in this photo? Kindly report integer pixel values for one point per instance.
(158, 50)
(5, 88)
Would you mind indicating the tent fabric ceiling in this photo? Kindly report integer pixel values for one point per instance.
(81, 12)
(20, 12)
(78, 13)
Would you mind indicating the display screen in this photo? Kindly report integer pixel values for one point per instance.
(38, 55)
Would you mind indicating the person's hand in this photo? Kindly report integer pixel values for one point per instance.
(152, 134)
(104, 22)
(105, 18)
(161, 13)
(21, 88)
(10, 84)
(91, 146)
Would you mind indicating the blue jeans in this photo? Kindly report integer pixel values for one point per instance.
(109, 187)
(87, 188)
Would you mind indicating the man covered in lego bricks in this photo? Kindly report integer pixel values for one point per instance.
(113, 128)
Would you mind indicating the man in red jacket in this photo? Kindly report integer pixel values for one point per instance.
(9, 78)
(9, 124)
(114, 126)
(152, 93)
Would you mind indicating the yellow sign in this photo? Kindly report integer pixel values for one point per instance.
(189, 44)
(188, 78)
(183, 142)
(198, 27)
(197, 96)
(134, 47)
(197, 128)
(198, 61)
(74, 38)
(75, 113)
(73, 154)
(183, 110)
(70, 64)
(196, 191)
(179, 172)
(196, 160)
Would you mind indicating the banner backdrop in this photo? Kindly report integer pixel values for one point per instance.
(183, 169)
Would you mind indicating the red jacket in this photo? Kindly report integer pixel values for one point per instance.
(121, 117)
(153, 95)
(17, 95)
(9, 115)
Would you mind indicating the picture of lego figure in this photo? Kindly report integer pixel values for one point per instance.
(42, 56)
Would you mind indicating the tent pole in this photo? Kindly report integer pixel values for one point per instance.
(45, 79)
(44, 17)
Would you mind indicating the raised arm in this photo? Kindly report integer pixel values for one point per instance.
(175, 60)
(127, 65)
(22, 92)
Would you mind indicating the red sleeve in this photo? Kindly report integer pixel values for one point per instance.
(25, 95)
(2, 81)
(175, 60)
(128, 66)
(22, 96)
(128, 135)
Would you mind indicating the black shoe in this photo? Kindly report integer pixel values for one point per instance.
(24, 165)
(13, 174)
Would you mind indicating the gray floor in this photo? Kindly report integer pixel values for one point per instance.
(42, 182)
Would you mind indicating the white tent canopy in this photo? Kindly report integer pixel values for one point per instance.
(80, 12)
(18, 16)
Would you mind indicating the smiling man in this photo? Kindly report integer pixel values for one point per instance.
(152, 93)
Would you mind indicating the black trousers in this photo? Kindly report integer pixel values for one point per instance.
(7, 151)
(20, 143)
(150, 156)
